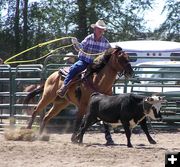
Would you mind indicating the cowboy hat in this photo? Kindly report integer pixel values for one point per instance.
(100, 24)
(68, 56)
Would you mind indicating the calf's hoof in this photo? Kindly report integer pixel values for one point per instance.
(110, 143)
(129, 145)
(74, 138)
(152, 142)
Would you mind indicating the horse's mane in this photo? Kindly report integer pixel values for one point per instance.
(101, 61)
(104, 57)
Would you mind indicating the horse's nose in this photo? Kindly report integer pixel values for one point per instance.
(129, 71)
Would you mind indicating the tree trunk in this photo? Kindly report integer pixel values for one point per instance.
(25, 25)
(82, 22)
(16, 28)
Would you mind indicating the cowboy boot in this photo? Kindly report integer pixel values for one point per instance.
(62, 91)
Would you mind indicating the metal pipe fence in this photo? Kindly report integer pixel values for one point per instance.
(146, 81)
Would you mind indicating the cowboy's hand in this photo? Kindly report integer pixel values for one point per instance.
(74, 40)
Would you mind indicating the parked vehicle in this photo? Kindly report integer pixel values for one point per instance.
(150, 50)
(157, 76)
(152, 77)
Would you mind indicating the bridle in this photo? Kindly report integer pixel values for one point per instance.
(123, 67)
(123, 72)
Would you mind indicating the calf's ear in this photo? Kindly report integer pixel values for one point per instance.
(162, 99)
(150, 99)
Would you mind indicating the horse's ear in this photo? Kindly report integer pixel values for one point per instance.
(117, 49)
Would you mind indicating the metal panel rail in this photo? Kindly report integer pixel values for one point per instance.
(164, 82)
(25, 76)
(161, 80)
(5, 92)
(18, 79)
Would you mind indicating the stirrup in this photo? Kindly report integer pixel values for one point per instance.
(62, 91)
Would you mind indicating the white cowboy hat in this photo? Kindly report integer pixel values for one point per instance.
(99, 24)
(68, 56)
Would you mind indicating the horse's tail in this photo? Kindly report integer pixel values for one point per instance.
(33, 93)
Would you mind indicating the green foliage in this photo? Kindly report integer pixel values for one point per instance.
(50, 19)
(170, 29)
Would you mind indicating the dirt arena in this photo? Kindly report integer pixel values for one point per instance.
(60, 152)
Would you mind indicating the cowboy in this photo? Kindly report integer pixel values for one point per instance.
(93, 44)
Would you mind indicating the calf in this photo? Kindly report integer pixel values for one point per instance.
(129, 109)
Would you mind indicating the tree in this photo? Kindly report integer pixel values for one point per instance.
(82, 19)
(170, 29)
(122, 18)
(48, 19)
(16, 27)
(25, 24)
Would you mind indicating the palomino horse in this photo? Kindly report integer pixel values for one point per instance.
(114, 61)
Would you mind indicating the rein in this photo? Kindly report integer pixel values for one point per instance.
(91, 85)
(121, 74)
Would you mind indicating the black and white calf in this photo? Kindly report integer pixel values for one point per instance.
(129, 109)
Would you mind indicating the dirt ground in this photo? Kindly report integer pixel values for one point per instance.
(60, 152)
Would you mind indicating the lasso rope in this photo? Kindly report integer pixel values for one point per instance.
(28, 61)
(8, 61)
(78, 49)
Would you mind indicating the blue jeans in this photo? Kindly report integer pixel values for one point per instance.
(76, 68)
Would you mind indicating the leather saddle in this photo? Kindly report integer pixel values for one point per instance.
(64, 71)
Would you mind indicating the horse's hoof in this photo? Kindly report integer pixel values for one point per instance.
(110, 143)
